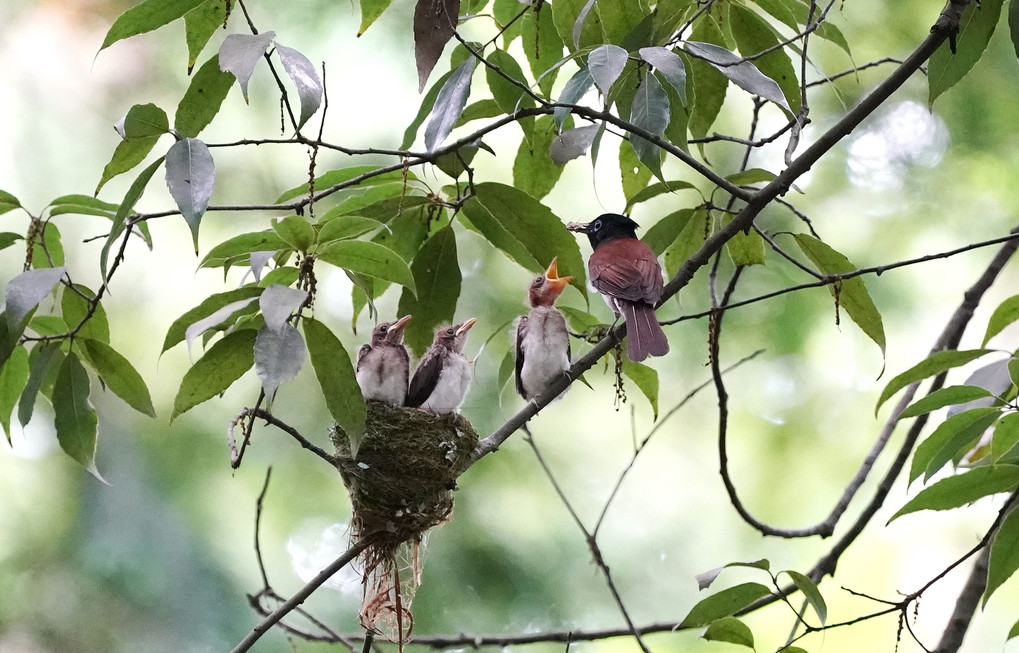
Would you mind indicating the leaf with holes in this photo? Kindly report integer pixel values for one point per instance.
(650, 112)
(240, 52)
(203, 99)
(190, 176)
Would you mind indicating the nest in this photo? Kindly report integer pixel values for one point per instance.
(401, 484)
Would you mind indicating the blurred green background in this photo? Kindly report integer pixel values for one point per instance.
(162, 557)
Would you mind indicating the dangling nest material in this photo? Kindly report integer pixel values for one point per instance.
(400, 484)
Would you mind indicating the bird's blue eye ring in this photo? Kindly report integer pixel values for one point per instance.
(597, 225)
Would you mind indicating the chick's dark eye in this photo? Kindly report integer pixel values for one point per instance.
(537, 281)
(383, 329)
(450, 332)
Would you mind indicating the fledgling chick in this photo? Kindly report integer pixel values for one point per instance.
(627, 274)
(383, 366)
(443, 374)
(543, 343)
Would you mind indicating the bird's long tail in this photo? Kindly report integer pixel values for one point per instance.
(644, 335)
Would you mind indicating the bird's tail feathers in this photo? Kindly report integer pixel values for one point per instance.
(645, 336)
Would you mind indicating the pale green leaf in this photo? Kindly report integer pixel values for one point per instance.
(931, 366)
(119, 376)
(75, 420)
(224, 362)
(145, 17)
(723, 604)
(437, 279)
(336, 377)
(945, 68)
(368, 258)
(965, 488)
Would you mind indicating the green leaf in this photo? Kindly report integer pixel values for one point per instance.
(344, 227)
(201, 102)
(50, 252)
(955, 433)
(74, 309)
(753, 35)
(746, 248)
(751, 176)
(646, 379)
(295, 231)
(950, 396)
(1013, 632)
(634, 176)
(336, 377)
(811, 593)
(650, 112)
(119, 376)
(543, 46)
(199, 25)
(850, 294)
(40, 362)
(134, 193)
(526, 230)
(362, 176)
(534, 171)
(1004, 559)
(75, 420)
(142, 127)
(1013, 32)
(932, 365)
(234, 250)
(1005, 314)
(730, 630)
(945, 69)
(370, 10)
(665, 232)
(224, 362)
(8, 202)
(965, 488)
(723, 604)
(13, 377)
(654, 190)
(368, 258)
(705, 579)
(508, 96)
(147, 16)
(209, 306)
(437, 278)
(82, 205)
(8, 238)
(1006, 436)
(690, 239)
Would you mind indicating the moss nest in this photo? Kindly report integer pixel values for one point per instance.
(401, 482)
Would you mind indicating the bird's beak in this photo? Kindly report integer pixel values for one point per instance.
(400, 324)
(579, 227)
(463, 328)
(553, 279)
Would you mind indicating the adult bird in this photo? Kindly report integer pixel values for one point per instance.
(626, 272)
(383, 366)
(543, 343)
(443, 374)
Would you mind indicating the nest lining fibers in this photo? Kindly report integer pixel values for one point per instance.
(400, 484)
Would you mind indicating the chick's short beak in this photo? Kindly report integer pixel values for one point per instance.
(579, 227)
(400, 324)
(552, 276)
(466, 326)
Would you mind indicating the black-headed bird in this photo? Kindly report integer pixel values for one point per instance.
(443, 374)
(627, 274)
(543, 343)
(383, 366)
